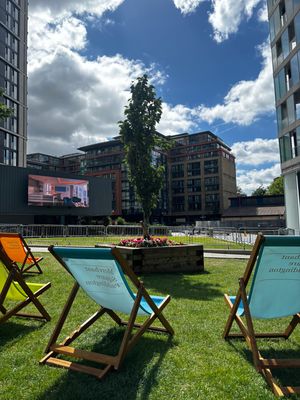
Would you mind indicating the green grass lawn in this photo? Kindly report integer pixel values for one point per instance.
(207, 242)
(195, 364)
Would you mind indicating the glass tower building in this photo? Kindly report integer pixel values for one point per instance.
(284, 19)
(13, 80)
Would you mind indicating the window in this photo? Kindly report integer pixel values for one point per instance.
(177, 187)
(297, 27)
(194, 203)
(285, 148)
(282, 117)
(178, 203)
(193, 169)
(297, 103)
(211, 167)
(285, 43)
(289, 8)
(294, 70)
(275, 23)
(211, 183)
(212, 202)
(177, 171)
(270, 4)
(193, 185)
(291, 109)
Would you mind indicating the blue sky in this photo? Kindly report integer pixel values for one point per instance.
(209, 61)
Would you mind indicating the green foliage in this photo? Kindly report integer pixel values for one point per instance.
(107, 221)
(120, 221)
(5, 112)
(260, 191)
(276, 187)
(140, 139)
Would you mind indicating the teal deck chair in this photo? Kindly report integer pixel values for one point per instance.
(100, 272)
(274, 293)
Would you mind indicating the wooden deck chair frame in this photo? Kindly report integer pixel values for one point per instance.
(262, 365)
(54, 349)
(29, 261)
(14, 277)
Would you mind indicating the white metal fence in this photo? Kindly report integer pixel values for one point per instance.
(216, 237)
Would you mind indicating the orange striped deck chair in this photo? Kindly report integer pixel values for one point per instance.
(16, 294)
(18, 252)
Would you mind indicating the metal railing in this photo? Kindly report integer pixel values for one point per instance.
(210, 237)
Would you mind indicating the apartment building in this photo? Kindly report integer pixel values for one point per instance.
(107, 160)
(200, 176)
(70, 163)
(13, 79)
(284, 18)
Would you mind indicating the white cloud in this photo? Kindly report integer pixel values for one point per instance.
(256, 152)
(45, 39)
(62, 8)
(249, 180)
(85, 100)
(263, 13)
(187, 6)
(176, 119)
(246, 101)
(227, 16)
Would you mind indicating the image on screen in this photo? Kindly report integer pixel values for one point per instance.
(50, 191)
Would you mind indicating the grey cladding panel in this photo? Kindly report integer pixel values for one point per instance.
(14, 193)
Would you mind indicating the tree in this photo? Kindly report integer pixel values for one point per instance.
(140, 140)
(5, 112)
(260, 191)
(239, 192)
(276, 187)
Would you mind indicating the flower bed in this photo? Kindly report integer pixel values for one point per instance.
(151, 242)
(161, 255)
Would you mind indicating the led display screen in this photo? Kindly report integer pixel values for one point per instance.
(50, 191)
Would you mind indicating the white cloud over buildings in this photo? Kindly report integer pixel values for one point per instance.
(74, 100)
(260, 154)
(256, 152)
(249, 180)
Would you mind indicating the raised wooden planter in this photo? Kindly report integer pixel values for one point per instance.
(184, 258)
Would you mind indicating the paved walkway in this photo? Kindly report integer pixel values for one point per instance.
(223, 255)
(206, 254)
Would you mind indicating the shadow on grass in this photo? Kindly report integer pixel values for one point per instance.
(285, 376)
(13, 331)
(183, 286)
(136, 376)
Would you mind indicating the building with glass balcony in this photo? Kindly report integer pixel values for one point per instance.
(13, 79)
(284, 19)
(200, 176)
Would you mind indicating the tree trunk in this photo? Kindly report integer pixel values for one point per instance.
(145, 226)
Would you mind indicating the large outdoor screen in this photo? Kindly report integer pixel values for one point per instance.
(49, 191)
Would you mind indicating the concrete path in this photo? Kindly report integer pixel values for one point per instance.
(227, 255)
(38, 249)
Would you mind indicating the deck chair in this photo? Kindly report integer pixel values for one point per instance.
(14, 288)
(274, 293)
(18, 251)
(100, 272)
